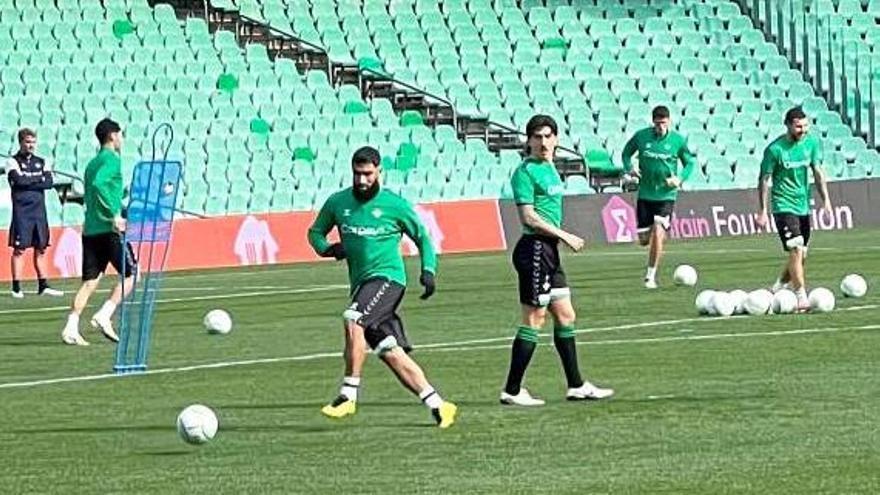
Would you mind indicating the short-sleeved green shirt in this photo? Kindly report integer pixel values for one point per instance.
(536, 182)
(787, 162)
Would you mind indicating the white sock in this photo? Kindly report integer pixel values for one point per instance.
(106, 311)
(349, 389)
(802, 295)
(72, 322)
(431, 398)
(650, 273)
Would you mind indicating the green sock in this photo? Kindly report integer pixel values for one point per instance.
(563, 338)
(520, 354)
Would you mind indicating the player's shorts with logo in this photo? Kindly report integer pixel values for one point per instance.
(28, 232)
(541, 279)
(794, 230)
(374, 307)
(649, 213)
(99, 250)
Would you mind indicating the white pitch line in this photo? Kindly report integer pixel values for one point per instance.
(460, 346)
(232, 295)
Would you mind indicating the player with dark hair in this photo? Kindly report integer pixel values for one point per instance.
(102, 236)
(660, 151)
(537, 189)
(370, 221)
(29, 176)
(785, 165)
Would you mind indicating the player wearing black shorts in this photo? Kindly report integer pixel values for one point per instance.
(786, 163)
(370, 222)
(537, 189)
(102, 236)
(660, 150)
(29, 176)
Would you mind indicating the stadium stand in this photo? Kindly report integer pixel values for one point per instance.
(261, 135)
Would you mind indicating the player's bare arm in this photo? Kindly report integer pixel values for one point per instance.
(528, 216)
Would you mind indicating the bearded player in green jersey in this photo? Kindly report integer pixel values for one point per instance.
(660, 150)
(537, 189)
(102, 236)
(785, 180)
(370, 221)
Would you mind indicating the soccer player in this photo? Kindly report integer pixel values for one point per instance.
(537, 189)
(785, 165)
(29, 175)
(101, 236)
(660, 151)
(370, 222)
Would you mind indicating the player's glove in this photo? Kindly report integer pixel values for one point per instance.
(427, 281)
(335, 250)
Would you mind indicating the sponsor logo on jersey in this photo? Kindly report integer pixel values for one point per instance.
(365, 231)
(555, 189)
(789, 164)
(658, 156)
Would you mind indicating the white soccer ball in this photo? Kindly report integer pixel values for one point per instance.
(703, 301)
(853, 285)
(218, 321)
(197, 424)
(722, 304)
(758, 302)
(685, 275)
(821, 300)
(784, 302)
(739, 299)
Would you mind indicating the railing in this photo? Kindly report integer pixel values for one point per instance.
(418, 91)
(824, 57)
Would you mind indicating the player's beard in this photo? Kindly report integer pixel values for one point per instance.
(364, 195)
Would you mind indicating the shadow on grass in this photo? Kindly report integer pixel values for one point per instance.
(94, 429)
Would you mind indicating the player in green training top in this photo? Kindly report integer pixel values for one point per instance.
(785, 165)
(537, 189)
(660, 150)
(370, 221)
(101, 235)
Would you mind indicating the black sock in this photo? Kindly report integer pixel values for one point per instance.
(567, 349)
(520, 354)
(42, 284)
(16, 286)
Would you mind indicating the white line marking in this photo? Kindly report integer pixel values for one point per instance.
(658, 397)
(233, 295)
(447, 347)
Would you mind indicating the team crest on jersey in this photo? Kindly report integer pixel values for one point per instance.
(376, 212)
(346, 212)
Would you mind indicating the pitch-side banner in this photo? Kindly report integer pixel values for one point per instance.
(611, 218)
(456, 227)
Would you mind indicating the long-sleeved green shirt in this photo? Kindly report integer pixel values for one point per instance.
(371, 232)
(658, 160)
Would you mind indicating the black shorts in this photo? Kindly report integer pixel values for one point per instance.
(541, 279)
(102, 249)
(29, 232)
(374, 307)
(794, 230)
(649, 213)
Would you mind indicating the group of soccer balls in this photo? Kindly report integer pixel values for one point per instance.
(197, 424)
(762, 301)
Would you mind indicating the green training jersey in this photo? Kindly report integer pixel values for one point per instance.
(371, 233)
(103, 192)
(536, 182)
(659, 158)
(787, 161)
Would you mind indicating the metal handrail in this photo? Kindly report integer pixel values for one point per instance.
(392, 79)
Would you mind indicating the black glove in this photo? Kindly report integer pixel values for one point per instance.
(427, 281)
(335, 251)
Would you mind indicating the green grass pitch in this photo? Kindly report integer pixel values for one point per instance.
(774, 404)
